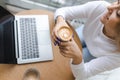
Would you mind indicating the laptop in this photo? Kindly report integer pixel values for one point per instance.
(24, 38)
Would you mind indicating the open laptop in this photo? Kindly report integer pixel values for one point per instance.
(24, 38)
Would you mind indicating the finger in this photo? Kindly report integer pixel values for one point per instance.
(63, 54)
(65, 51)
(115, 5)
(56, 41)
(64, 48)
(66, 43)
(118, 1)
(66, 55)
(54, 35)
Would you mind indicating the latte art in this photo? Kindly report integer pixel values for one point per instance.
(65, 33)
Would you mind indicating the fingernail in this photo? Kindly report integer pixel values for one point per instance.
(58, 39)
(55, 43)
(73, 36)
(58, 42)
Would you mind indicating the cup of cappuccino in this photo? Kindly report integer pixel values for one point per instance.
(31, 74)
(65, 33)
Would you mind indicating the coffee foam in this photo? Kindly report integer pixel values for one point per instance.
(65, 33)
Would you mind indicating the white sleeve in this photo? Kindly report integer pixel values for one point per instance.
(95, 66)
(78, 71)
(79, 11)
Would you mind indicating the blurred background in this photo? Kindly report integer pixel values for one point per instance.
(15, 6)
(18, 5)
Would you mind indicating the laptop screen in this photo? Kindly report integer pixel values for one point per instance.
(7, 43)
(4, 14)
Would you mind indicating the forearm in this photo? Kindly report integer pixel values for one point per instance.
(78, 71)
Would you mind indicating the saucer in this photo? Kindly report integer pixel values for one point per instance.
(31, 74)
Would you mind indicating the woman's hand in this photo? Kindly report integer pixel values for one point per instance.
(59, 23)
(70, 49)
(115, 5)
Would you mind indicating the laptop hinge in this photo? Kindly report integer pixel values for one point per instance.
(16, 38)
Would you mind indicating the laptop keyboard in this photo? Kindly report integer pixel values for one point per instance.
(29, 38)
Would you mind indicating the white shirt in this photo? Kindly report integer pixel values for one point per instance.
(99, 45)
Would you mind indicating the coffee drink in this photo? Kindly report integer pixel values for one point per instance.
(65, 33)
(31, 74)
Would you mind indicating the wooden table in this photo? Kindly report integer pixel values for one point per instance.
(57, 69)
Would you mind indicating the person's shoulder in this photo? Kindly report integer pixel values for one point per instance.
(99, 2)
(97, 6)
